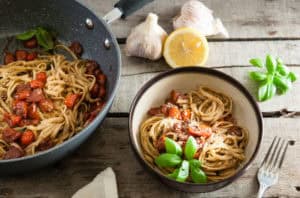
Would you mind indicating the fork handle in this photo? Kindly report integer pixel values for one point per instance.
(262, 189)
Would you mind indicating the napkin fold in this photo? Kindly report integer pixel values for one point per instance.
(104, 185)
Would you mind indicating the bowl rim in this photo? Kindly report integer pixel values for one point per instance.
(207, 71)
(102, 114)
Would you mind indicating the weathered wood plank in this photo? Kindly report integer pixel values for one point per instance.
(243, 19)
(222, 54)
(109, 146)
(229, 57)
(131, 84)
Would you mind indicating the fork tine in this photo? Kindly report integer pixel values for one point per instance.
(275, 160)
(283, 154)
(268, 153)
(274, 152)
(271, 148)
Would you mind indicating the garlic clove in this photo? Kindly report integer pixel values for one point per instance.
(196, 15)
(146, 39)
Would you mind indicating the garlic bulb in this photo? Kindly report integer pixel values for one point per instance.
(146, 40)
(196, 15)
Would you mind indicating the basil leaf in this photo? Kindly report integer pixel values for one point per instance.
(271, 91)
(262, 92)
(190, 148)
(257, 62)
(292, 76)
(174, 174)
(283, 84)
(44, 38)
(198, 176)
(183, 172)
(282, 69)
(195, 163)
(173, 147)
(168, 160)
(257, 76)
(270, 64)
(26, 35)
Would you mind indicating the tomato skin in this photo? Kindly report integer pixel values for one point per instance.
(186, 115)
(71, 100)
(203, 130)
(31, 56)
(21, 54)
(27, 138)
(41, 76)
(174, 113)
(12, 120)
(174, 96)
(36, 84)
(46, 105)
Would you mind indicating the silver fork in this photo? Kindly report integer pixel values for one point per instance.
(268, 172)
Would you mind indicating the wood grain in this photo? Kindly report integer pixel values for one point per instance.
(137, 71)
(109, 146)
(243, 19)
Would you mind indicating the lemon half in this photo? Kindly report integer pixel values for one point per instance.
(186, 47)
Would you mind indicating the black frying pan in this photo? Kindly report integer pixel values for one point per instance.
(72, 22)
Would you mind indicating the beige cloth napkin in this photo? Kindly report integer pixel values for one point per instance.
(104, 185)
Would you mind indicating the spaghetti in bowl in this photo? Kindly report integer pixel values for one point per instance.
(213, 108)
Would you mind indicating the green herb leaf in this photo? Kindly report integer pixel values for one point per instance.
(257, 62)
(262, 92)
(198, 176)
(292, 76)
(195, 163)
(174, 174)
(257, 76)
(271, 91)
(183, 173)
(168, 160)
(26, 35)
(44, 38)
(173, 147)
(190, 148)
(282, 69)
(270, 64)
(283, 84)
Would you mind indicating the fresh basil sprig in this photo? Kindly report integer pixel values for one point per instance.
(274, 77)
(184, 166)
(44, 38)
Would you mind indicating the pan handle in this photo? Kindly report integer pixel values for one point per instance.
(124, 8)
(127, 7)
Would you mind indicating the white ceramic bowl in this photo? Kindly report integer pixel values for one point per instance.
(154, 93)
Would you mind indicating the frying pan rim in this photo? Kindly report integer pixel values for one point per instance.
(99, 118)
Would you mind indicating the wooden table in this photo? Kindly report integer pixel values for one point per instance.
(256, 27)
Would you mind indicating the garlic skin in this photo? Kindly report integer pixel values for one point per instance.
(146, 39)
(196, 15)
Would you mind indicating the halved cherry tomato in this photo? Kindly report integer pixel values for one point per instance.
(20, 108)
(27, 138)
(23, 94)
(174, 96)
(161, 143)
(9, 58)
(71, 100)
(12, 120)
(174, 113)
(154, 111)
(186, 114)
(21, 54)
(46, 105)
(41, 76)
(36, 84)
(31, 56)
(203, 130)
(32, 112)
